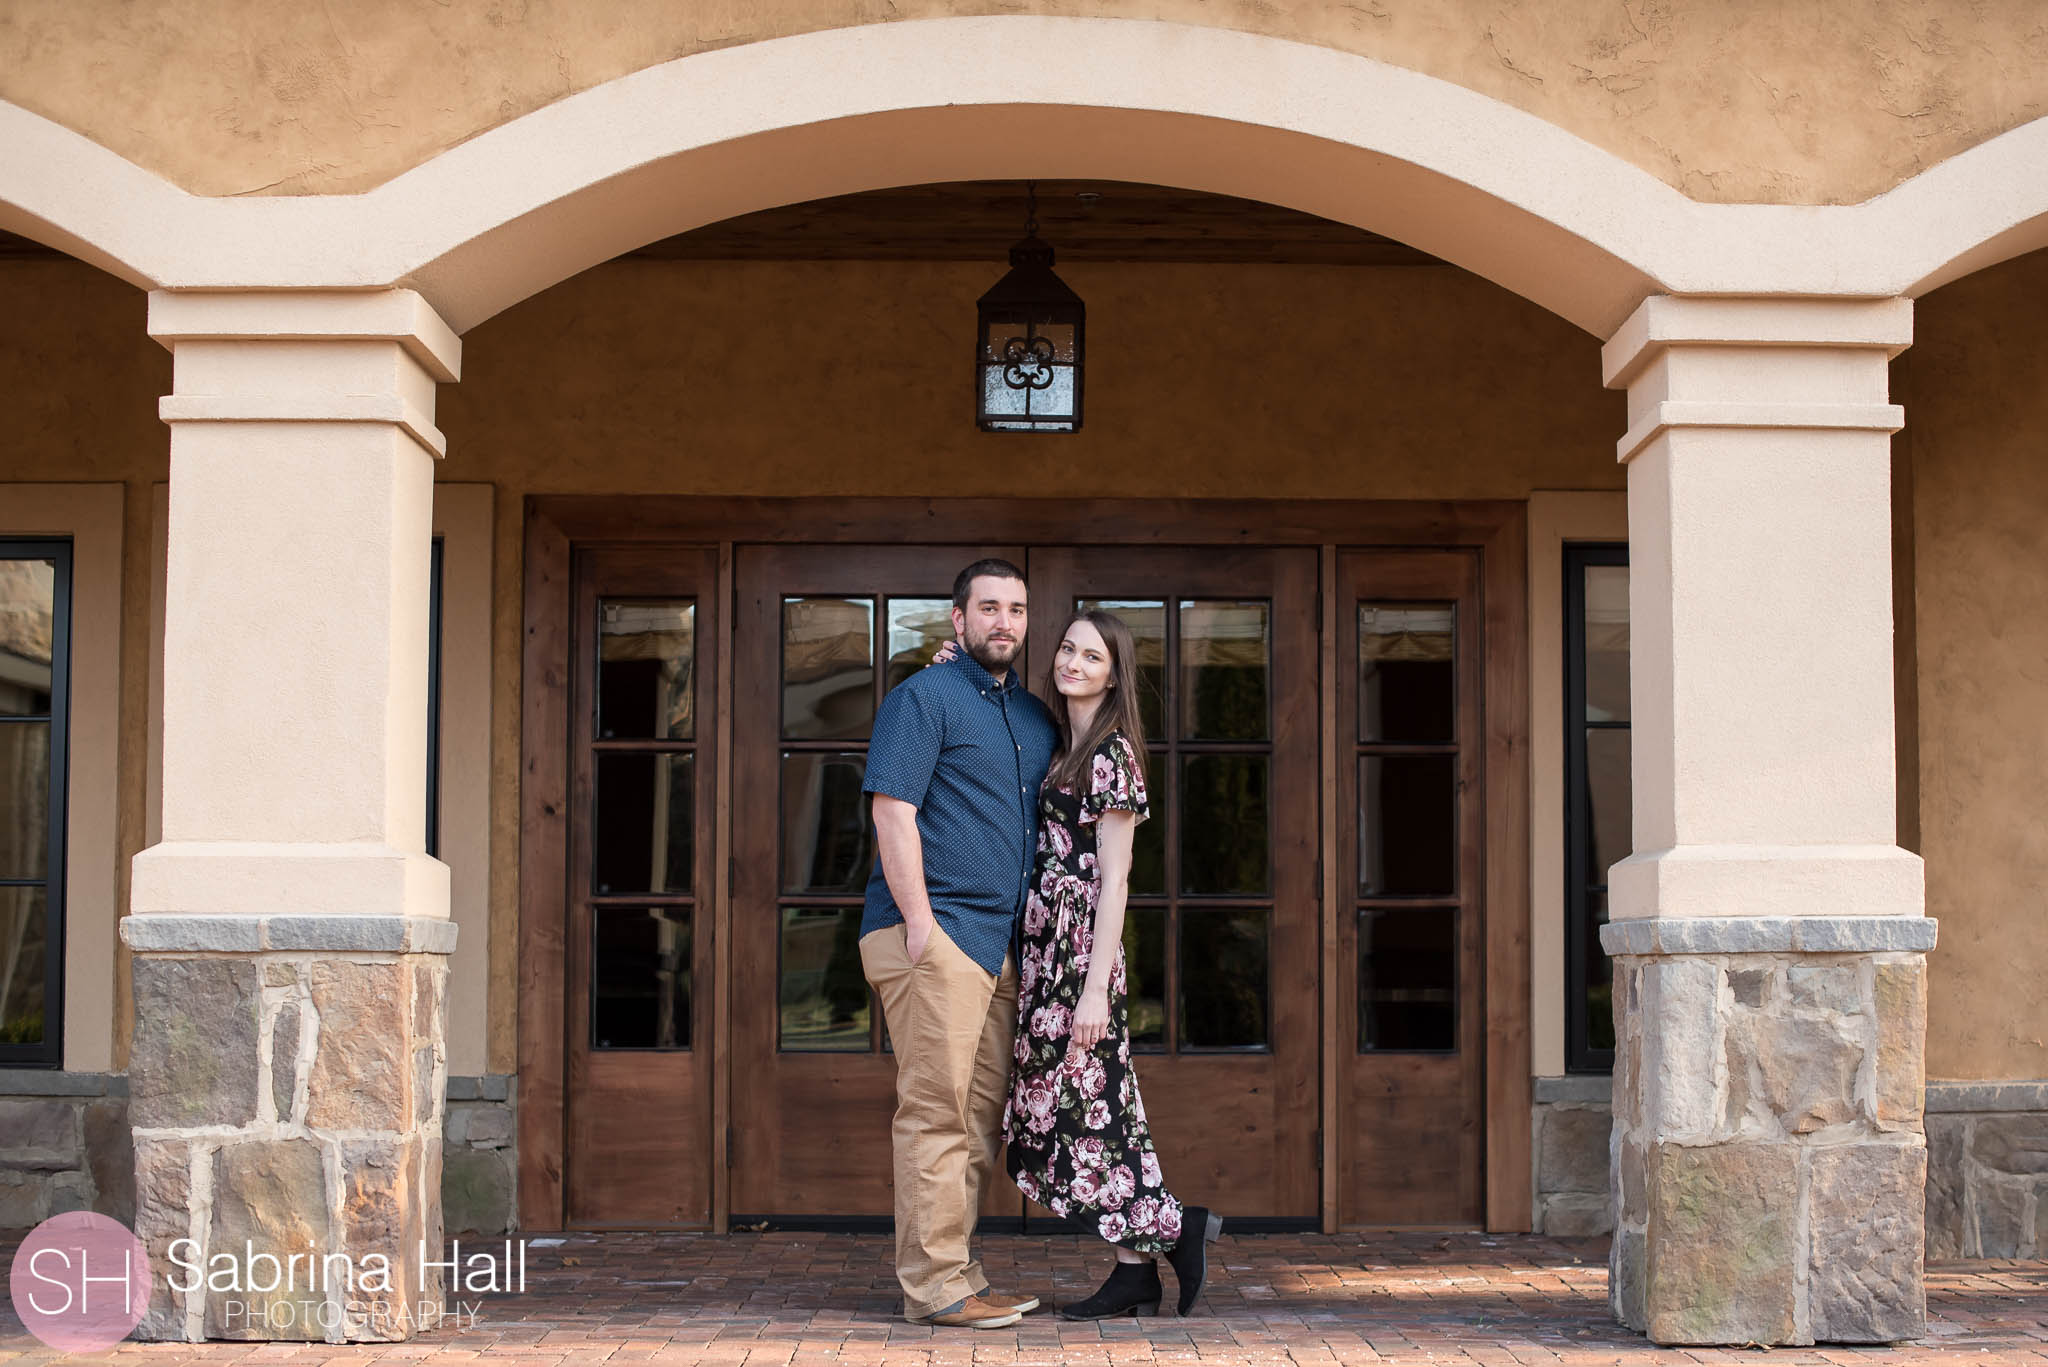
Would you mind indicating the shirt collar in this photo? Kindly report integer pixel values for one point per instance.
(981, 678)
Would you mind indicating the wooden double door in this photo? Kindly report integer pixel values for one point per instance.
(1273, 956)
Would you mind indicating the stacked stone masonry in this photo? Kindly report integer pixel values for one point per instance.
(1987, 1170)
(287, 1100)
(479, 1160)
(1767, 1154)
(1570, 1126)
(64, 1146)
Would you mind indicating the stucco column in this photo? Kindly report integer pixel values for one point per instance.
(291, 935)
(1768, 934)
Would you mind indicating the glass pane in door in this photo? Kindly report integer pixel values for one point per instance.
(640, 977)
(1408, 825)
(1223, 978)
(646, 656)
(1408, 978)
(1225, 843)
(826, 845)
(23, 917)
(1225, 668)
(828, 668)
(823, 992)
(644, 833)
(917, 628)
(1407, 681)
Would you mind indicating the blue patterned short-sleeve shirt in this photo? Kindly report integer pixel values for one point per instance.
(969, 752)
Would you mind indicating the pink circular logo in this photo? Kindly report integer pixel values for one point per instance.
(80, 1282)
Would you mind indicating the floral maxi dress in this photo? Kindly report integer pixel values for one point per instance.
(1075, 1125)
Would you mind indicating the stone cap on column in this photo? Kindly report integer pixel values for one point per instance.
(1769, 935)
(1828, 398)
(229, 934)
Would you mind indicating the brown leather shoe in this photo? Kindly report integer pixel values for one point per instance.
(976, 1312)
(1023, 1305)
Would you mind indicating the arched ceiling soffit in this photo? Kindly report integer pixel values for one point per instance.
(1461, 175)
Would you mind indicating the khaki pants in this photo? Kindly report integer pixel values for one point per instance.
(951, 1025)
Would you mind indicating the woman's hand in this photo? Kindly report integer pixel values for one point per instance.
(946, 652)
(1091, 1019)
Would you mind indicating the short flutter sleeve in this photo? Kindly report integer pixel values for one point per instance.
(1116, 783)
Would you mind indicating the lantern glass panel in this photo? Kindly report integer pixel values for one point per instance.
(1061, 335)
(998, 400)
(998, 334)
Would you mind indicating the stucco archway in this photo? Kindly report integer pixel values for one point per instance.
(1466, 177)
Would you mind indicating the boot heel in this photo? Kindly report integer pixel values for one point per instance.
(1145, 1308)
(1212, 1228)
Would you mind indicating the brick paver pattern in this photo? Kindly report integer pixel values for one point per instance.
(820, 1300)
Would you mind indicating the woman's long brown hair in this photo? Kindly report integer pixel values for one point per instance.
(1118, 711)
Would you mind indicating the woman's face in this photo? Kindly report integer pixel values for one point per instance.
(1081, 668)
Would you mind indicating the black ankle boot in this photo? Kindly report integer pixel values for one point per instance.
(1190, 1253)
(1132, 1289)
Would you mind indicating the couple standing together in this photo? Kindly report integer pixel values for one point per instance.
(1004, 828)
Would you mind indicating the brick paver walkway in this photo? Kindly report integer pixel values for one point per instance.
(820, 1300)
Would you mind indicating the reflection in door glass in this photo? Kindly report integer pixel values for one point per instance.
(643, 832)
(1408, 979)
(823, 992)
(24, 799)
(1407, 685)
(24, 913)
(1407, 825)
(1599, 986)
(640, 977)
(1606, 628)
(1146, 617)
(1606, 820)
(28, 629)
(828, 668)
(1225, 844)
(1148, 846)
(1145, 972)
(917, 628)
(1225, 661)
(1223, 979)
(646, 656)
(825, 840)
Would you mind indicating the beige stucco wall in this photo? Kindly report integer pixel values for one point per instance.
(1743, 100)
(1975, 386)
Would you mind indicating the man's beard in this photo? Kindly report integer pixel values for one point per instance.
(984, 650)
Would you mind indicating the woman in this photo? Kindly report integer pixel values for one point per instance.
(1075, 1124)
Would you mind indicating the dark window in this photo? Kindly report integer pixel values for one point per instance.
(1596, 820)
(1408, 757)
(35, 650)
(643, 833)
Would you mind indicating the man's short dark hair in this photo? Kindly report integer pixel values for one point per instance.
(963, 583)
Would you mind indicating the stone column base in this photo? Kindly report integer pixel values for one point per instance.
(286, 1091)
(1768, 1157)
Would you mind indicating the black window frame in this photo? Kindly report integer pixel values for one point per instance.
(1581, 935)
(49, 1053)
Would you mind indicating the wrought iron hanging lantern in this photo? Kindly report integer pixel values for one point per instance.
(1027, 371)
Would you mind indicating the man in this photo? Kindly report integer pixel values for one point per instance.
(954, 767)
